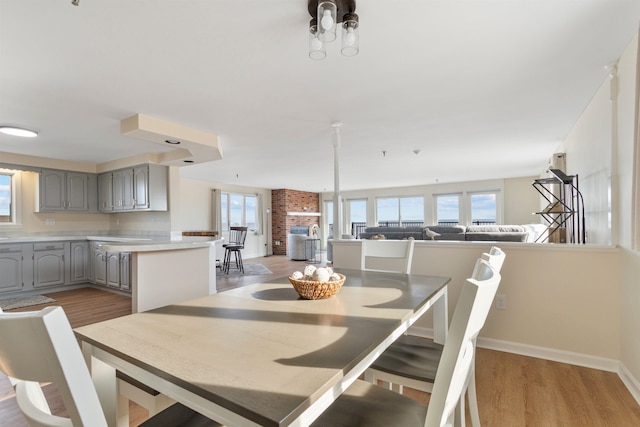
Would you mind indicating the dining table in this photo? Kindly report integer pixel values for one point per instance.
(260, 354)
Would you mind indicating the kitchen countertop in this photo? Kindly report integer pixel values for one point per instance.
(123, 243)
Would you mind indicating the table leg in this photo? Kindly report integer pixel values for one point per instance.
(116, 408)
(441, 318)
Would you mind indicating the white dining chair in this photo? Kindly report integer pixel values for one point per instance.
(387, 255)
(40, 347)
(366, 404)
(414, 361)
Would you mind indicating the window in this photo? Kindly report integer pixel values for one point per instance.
(328, 214)
(357, 216)
(483, 208)
(239, 210)
(448, 209)
(392, 211)
(6, 197)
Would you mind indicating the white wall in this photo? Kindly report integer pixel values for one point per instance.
(601, 148)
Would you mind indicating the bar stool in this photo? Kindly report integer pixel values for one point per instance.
(237, 236)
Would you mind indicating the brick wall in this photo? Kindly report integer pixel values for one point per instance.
(283, 201)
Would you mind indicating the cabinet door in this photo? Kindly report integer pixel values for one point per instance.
(79, 262)
(100, 267)
(141, 187)
(123, 190)
(10, 268)
(125, 271)
(77, 195)
(113, 269)
(52, 190)
(48, 268)
(105, 192)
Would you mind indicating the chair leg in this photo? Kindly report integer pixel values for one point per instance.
(473, 399)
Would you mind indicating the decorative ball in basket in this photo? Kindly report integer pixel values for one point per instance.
(316, 283)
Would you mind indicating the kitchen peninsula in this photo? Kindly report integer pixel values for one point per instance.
(156, 271)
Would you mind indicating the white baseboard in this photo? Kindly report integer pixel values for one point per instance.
(571, 358)
(632, 384)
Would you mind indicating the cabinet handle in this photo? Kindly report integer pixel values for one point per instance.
(5, 249)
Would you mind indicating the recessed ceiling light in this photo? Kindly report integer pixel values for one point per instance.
(16, 131)
(172, 141)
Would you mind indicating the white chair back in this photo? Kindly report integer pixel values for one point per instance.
(41, 347)
(389, 255)
(495, 258)
(457, 355)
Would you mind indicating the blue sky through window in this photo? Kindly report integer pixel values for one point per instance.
(5, 195)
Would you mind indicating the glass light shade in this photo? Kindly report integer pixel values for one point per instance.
(317, 49)
(327, 20)
(350, 35)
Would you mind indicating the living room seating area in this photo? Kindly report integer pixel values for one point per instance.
(493, 233)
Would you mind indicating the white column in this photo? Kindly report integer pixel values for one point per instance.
(337, 197)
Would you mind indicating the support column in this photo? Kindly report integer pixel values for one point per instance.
(337, 197)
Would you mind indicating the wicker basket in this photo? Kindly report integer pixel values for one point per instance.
(309, 289)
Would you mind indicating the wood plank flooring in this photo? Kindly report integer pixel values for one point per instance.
(513, 390)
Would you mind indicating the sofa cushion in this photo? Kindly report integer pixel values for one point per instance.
(446, 232)
(496, 233)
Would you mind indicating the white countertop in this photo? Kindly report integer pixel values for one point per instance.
(123, 243)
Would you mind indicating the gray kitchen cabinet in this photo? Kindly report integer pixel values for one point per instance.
(66, 191)
(113, 269)
(105, 192)
(99, 267)
(11, 261)
(125, 271)
(123, 190)
(48, 264)
(119, 270)
(78, 262)
(137, 188)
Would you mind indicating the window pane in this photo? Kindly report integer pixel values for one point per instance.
(250, 218)
(412, 209)
(5, 198)
(329, 215)
(448, 208)
(483, 208)
(235, 210)
(357, 216)
(387, 210)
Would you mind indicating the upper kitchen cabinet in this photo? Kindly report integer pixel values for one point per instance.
(66, 191)
(138, 188)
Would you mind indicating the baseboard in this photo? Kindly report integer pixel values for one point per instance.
(632, 384)
(571, 358)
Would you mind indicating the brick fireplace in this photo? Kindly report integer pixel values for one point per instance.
(291, 208)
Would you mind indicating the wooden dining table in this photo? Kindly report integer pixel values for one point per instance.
(260, 354)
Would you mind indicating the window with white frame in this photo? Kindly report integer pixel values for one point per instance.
(9, 198)
(484, 207)
(239, 210)
(392, 211)
(6, 197)
(447, 209)
(328, 215)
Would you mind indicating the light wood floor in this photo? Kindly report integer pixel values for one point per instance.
(513, 390)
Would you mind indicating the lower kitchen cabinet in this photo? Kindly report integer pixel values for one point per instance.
(48, 264)
(78, 262)
(11, 261)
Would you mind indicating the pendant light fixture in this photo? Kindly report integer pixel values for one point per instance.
(327, 16)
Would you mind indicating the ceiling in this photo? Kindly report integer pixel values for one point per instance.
(479, 89)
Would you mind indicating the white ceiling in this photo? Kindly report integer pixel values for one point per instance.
(483, 88)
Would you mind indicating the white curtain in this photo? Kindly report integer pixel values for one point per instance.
(216, 214)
